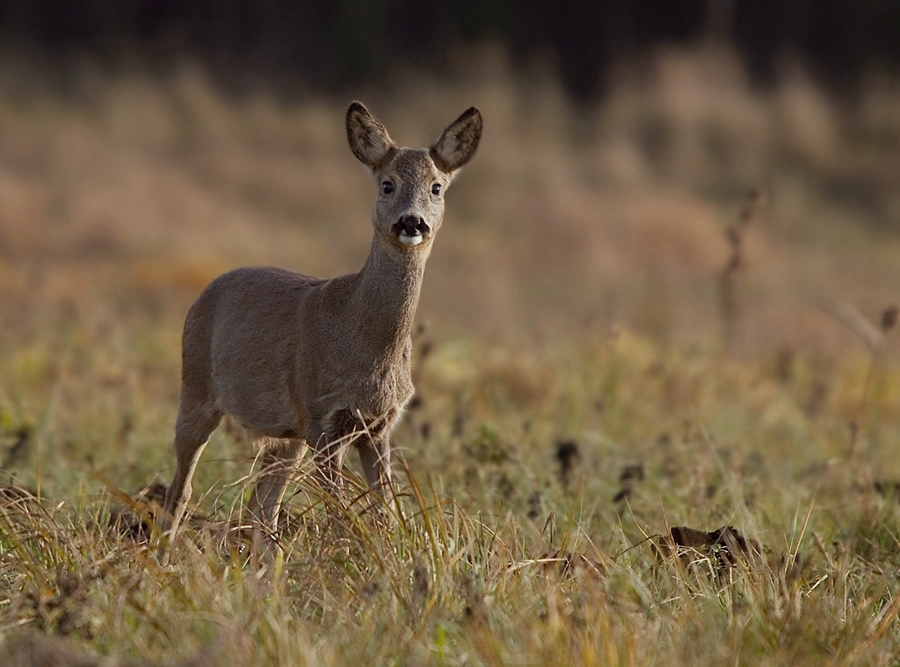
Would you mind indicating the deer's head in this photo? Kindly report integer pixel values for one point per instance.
(411, 181)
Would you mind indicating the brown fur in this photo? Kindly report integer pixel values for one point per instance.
(297, 359)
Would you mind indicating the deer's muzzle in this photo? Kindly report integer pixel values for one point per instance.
(410, 229)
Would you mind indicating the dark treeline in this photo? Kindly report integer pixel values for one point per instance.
(332, 43)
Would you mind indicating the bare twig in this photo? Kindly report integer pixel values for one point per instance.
(728, 302)
(874, 340)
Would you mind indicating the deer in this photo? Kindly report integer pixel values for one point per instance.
(297, 360)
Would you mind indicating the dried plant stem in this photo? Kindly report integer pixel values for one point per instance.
(862, 410)
(728, 301)
(875, 340)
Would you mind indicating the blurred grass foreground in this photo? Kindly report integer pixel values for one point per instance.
(591, 372)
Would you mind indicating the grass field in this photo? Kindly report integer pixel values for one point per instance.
(581, 390)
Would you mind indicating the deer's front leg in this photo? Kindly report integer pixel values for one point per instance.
(279, 458)
(329, 458)
(375, 457)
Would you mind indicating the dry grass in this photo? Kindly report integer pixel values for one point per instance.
(573, 321)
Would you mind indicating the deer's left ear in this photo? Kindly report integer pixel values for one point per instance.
(459, 142)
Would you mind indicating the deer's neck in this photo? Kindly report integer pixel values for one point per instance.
(387, 294)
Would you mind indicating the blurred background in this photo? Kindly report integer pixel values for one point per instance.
(148, 145)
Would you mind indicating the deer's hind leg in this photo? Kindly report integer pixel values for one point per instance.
(279, 458)
(195, 424)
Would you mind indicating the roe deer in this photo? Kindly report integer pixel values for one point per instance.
(294, 358)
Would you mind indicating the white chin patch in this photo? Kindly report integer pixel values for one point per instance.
(410, 240)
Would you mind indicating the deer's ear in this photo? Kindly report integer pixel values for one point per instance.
(368, 139)
(459, 142)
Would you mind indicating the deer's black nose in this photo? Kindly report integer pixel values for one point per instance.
(411, 225)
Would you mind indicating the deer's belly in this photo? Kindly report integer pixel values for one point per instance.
(264, 408)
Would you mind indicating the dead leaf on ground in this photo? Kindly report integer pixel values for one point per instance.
(725, 546)
(132, 521)
(19, 502)
(567, 454)
(564, 563)
(888, 488)
(629, 477)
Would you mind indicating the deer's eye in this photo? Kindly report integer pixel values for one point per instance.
(436, 189)
(387, 188)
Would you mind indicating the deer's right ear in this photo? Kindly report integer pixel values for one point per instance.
(368, 138)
